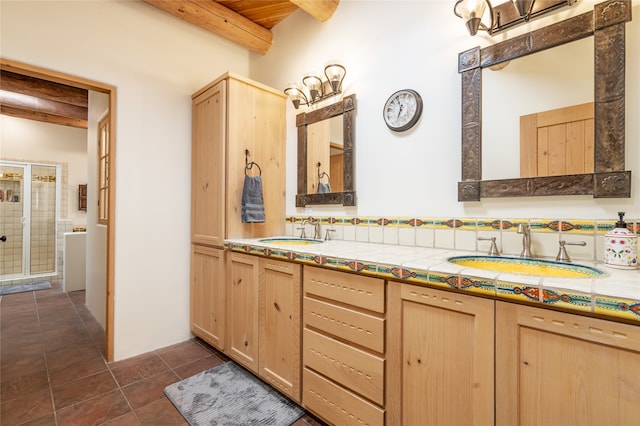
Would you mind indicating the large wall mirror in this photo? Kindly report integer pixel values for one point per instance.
(539, 91)
(325, 154)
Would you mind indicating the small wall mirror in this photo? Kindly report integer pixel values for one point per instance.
(605, 176)
(325, 154)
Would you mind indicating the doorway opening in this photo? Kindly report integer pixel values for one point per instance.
(110, 91)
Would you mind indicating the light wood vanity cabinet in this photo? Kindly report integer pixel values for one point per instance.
(279, 325)
(208, 294)
(263, 316)
(440, 357)
(565, 369)
(242, 308)
(343, 346)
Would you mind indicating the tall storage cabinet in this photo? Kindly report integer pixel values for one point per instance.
(235, 120)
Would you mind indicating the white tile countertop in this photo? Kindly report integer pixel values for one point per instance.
(615, 294)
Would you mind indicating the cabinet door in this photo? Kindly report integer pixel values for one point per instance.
(242, 296)
(207, 294)
(440, 353)
(563, 369)
(280, 325)
(208, 167)
(256, 122)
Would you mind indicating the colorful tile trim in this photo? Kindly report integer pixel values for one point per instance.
(544, 225)
(518, 292)
(621, 308)
(478, 285)
(573, 301)
(582, 227)
(489, 225)
(443, 280)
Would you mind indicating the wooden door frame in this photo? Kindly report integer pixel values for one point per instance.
(83, 83)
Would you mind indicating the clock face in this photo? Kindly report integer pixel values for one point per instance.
(402, 110)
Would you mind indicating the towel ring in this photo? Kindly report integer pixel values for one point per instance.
(249, 165)
(323, 174)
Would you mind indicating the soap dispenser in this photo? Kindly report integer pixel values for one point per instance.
(621, 246)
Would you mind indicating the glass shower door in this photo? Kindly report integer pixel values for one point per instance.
(42, 245)
(29, 200)
(11, 221)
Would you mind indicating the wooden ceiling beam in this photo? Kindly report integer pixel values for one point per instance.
(19, 83)
(32, 106)
(321, 10)
(42, 116)
(32, 98)
(219, 20)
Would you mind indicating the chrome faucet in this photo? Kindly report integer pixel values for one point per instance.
(525, 230)
(316, 228)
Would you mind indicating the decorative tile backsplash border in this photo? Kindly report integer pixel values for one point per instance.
(463, 233)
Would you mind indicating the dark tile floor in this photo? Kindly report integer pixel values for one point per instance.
(53, 371)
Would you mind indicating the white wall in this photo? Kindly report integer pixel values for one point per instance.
(391, 45)
(156, 62)
(35, 141)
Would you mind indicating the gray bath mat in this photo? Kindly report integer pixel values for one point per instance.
(21, 288)
(228, 395)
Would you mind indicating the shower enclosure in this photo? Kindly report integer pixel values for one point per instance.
(29, 211)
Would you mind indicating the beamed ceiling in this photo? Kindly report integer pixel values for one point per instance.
(245, 22)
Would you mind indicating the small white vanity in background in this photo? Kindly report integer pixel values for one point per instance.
(75, 261)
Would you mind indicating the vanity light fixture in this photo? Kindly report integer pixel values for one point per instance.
(504, 15)
(472, 11)
(317, 88)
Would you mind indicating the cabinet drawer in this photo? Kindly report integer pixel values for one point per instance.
(356, 290)
(357, 327)
(337, 405)
(357, 370)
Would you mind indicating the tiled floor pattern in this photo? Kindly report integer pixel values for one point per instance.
(53, 371)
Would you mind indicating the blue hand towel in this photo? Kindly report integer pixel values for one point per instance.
(324, 188)
(252, 200)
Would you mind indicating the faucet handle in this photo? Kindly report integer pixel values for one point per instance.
(327, 235)
(493, 250)
(563, 256)
(303, 234)
(302, 228)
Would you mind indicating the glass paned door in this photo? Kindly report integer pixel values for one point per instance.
(29, 209)
(43, 219)
(11, 220)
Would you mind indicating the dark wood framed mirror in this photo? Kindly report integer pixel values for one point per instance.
(343, 190)
(606, 23)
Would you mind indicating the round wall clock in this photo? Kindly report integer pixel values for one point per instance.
(402, 110)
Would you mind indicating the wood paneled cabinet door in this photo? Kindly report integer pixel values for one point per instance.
(208, 166)
(279, 325)
(236, 121)
(440, 354)
(563, 369)
(208, 295)
(242, 305)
